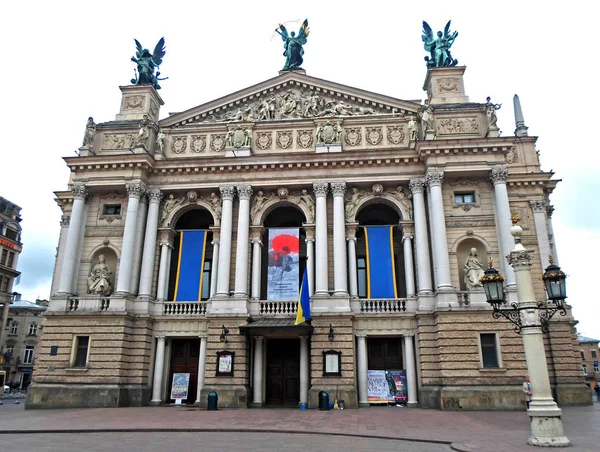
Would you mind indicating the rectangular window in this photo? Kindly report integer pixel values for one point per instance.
(593, 353)
(584, 369)
(111, 209)
(32, 329)
(11, 258)
(206, 280)
(596, 369)
(582, 355)
(28, 355)
(489, 350)
(362, 277)
(464, 198)
(12, 234)
(81, 351)
(4, 256)
(10, 349)
(5, 284)
(14, 329)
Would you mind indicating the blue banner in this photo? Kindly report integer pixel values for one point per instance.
(381, 269)
(192, 246)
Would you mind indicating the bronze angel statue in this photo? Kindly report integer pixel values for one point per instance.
(293, 50)
(439, 47)
(147, 63)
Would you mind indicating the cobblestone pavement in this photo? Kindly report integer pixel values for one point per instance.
(486, 431)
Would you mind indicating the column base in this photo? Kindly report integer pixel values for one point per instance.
(364, 405)
(144, 298)
(547, 432)
(257, 404)
(155, 402)
(121, 294)
(412, 404)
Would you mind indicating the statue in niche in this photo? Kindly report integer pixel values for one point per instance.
(413, 129)
(308, 201)
(352, 203)
(160, 140)
(215, 202)
(439, 47)
(490, 113)
(144, 131)
(292, 45)
(90, 133)
(426, 115)
(473, 269)
(169, 205)
(147, 63)
(404, 201)
(99, 279)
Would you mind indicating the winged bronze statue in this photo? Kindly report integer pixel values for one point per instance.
(293, 50)
(439, 47)
(148, 62)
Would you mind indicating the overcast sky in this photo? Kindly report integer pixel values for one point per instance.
(63, 62)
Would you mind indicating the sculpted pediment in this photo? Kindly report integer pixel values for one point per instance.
(291, 96)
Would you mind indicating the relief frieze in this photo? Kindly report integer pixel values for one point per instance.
(118, 141)
(454, 126)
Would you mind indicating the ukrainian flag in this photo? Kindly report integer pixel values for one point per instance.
(303, 313)
(381, 271)
(192, 247)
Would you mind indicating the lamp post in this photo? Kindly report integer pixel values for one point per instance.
(531, 320)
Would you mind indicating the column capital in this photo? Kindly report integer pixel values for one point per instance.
(434, 177)
(244, 192)
(407, 227)
(361, 336)
(154, 195)
(256, 233)
(160, 337)
(538, 205)
(166, 236)
(320, 188)
(411, 335)
(351, 231)
(203, 336)
(65, 220)
(549, 210)
(309, 232)
(499, 174)
(304, 337)
(520, 258)
(227, 192)
(80, 192)
(135, 190)
(216, 232)
(417, 185)
(338, 188)
(259, 338)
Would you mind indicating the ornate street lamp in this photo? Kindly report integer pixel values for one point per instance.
(531, 318)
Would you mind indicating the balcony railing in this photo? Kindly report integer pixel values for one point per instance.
(386, 305)
(173, 309)
(278, 307)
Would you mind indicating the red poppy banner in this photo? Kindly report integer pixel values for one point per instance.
(283, 272)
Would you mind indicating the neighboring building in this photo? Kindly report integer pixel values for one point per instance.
(588, 348)
(184, 241)
(10, 248)
(23, 328)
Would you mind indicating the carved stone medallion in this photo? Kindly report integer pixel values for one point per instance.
(374, 135)
(179, 144)
(305, 138)
(264, 140)
(198, 143)
(353, 136)
(134, 102)
(395, 134)
(217, 142)
(284, 139)
(447, 85)
(377, 189)
(282, 192)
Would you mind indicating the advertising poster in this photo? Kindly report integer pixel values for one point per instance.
(378, 390)
(283, 271)
(179, 388)
(397, 385)
(225, 364)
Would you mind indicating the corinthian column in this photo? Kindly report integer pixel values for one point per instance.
(310, 258)
(340, 266)
(257, 232)
(499, 176)
(243, 232)
(440, 242)
(321, 280)
(138, 248)
(409, 266)
(154, 196)
(224, 269)
(541, 230)
(417, 187)
(554, 252)
(214, 269)
(135, 192)
(352, 268)
(166, 244)
(76, 224)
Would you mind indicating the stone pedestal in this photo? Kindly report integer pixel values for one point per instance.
(244, 151)
(444, 85)
(138, 101)
(323, 148)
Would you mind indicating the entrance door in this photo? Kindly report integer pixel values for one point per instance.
(184, 359)
(385, 353)
(283, 372)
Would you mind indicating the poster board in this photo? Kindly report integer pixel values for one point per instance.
(283, 274)
(179, 386)
(386, 386)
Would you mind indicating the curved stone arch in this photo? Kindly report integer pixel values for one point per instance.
(273, 204)
(113, 258)
(178, 212)
(14, 225)
(102, 246)
(386, 199)
(462, 238)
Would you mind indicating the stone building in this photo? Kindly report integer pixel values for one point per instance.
(322, 162)
(588, 348)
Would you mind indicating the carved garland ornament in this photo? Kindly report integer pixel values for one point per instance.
(449, 84)
(395, 134)
(134, 102)
(353, 136)
(179, 145)
(374, 135)
(198, 143)
(284, 139)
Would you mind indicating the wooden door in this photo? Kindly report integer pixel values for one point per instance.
(283, 372)
(184, 359)
(385, 353)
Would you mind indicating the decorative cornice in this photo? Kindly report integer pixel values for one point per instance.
(80, 192)
(538, 205)
(434, 177)
(338, 188)
(227, 192)
(499, 174)
(320, 188)
(134, 190)
(244, 192)
(417, 185)
(154, 195)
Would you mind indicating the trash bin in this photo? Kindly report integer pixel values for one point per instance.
(323, 401)
(213, 399)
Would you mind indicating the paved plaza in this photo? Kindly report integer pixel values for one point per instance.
(377, 428)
